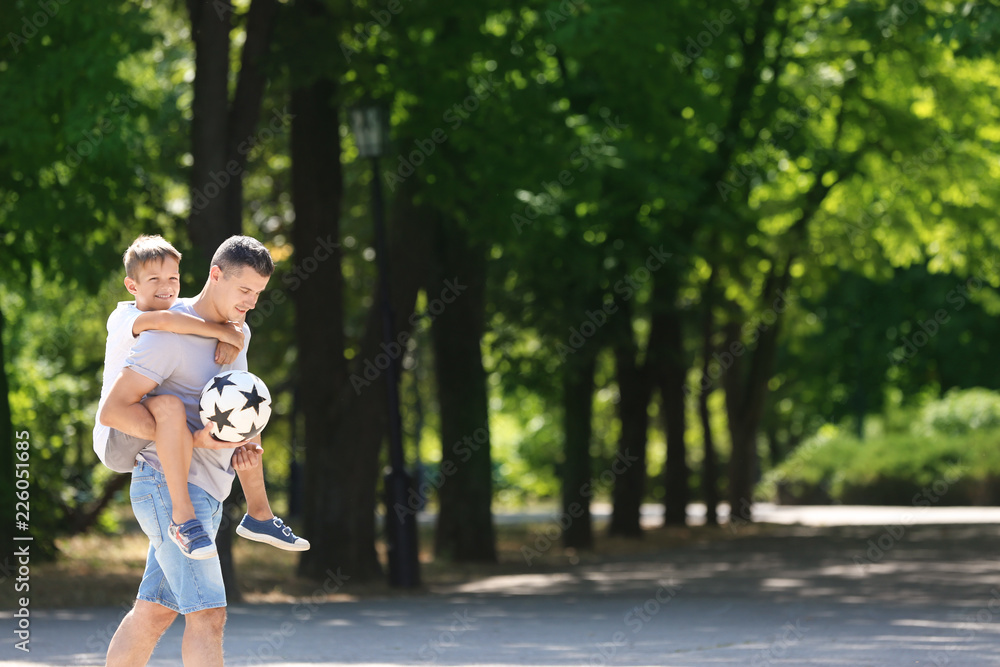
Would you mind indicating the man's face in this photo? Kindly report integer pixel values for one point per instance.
(157, 285)
(237, 292)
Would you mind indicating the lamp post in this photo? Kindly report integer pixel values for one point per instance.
(371, 132)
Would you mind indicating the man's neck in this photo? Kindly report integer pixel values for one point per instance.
(203, 306)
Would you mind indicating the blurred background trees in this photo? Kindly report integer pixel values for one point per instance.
(640, 253)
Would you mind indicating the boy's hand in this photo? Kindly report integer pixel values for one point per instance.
(226, 353)
(203, 440)
(232, 333)
(247, 456)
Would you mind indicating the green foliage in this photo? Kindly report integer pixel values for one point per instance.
(949, 455)
(962, 411)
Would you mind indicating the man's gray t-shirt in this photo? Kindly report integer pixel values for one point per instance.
(181, 365)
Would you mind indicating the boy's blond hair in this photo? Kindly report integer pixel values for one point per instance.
(145, 249)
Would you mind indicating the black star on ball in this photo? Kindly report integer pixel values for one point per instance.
(220, 381)
(221, 418)
(253, 399)
(254, 430)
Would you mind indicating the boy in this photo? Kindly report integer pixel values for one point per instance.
(153, 277)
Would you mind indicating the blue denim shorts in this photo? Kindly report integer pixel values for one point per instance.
(172, 579)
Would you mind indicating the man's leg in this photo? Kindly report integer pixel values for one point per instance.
(202, 646)
(138, 633)
(174, 446)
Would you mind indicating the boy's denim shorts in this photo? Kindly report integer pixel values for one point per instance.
(172, 579)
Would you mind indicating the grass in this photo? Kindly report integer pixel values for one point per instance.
(105, 570)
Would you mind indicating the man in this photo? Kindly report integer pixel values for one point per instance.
(168, 363)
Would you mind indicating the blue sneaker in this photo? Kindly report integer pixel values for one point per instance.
(192, 539)
(272, 532)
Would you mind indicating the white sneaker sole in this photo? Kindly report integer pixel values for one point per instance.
(246, 533)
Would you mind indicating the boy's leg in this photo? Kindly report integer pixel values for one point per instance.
(260, 524)
(252, 481)
(174, 445)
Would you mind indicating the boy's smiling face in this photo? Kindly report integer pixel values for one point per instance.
(157, 286)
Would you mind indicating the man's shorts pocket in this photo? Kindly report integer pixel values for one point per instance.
(145, 512)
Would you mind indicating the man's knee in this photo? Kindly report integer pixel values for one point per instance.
(165, 406)
(208, 620)
(155, 617)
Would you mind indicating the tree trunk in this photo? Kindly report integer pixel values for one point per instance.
(578, 405)
(209, 223)
(457, 289)
(218, 156)
(672, 380)
(633, 414)
(317, 290)
(746, 396)
(245, 111)
(742, 456)
(709, 466)
(345, 415)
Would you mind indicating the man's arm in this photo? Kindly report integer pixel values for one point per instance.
(123, 411)
(182, 323)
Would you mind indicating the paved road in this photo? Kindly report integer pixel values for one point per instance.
(898, 591)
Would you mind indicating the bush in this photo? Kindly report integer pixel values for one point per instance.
(960, 412)
(951, 456)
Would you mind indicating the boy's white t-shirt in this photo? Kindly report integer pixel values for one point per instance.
(120, 340)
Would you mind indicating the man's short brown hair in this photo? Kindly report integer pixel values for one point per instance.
(237, 252)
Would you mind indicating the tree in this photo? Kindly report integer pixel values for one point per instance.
(70, 149)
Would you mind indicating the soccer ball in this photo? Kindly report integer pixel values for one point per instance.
(235, 405)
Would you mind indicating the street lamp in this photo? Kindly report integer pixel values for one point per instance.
(370, 125)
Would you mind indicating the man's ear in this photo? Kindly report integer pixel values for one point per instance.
(130, 285)
(215, 273)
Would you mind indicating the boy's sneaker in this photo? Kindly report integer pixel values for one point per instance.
(272, 532)
(192, 539)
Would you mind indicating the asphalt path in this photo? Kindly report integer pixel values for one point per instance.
(821, 586)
